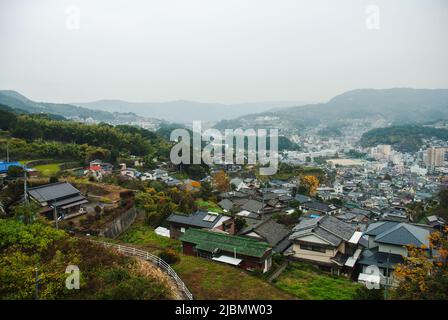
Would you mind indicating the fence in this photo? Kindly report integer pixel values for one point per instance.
(154, 260)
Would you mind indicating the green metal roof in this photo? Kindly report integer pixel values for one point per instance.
(210, 241)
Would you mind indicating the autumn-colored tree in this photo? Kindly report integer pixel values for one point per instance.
(309, 184)
(221, 181)
(422, 277)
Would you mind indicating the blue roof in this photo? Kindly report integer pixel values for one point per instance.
(5, 165)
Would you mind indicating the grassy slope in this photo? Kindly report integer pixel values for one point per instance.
(48, 170)
(208, 206)
(205, 279)
(308, 283)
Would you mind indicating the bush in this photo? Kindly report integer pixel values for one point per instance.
(83, 221)
(169, 256)
(54, 179)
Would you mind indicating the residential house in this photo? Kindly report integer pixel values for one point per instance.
(327, 242)
(276, 235)
(179, 223)
(436, 222)
(238, 251)
(302, 198)
(60, 196)
(238, 184)
(319, 208)
(386, 247)
(160, 174)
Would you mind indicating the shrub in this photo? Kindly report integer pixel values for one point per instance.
(54, 179)
(169, 256)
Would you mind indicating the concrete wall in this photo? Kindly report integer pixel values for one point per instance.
(120, 224)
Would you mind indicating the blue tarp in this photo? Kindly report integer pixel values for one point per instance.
(5, 165)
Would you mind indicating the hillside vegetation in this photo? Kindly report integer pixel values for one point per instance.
(407, 138)
(104, 274)
(44, 136)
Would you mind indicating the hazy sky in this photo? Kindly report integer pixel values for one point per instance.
(219, 50)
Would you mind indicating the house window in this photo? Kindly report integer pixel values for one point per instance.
(182, 229)
(310, 247)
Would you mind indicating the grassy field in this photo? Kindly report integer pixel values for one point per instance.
(208, 206)
(145, 237)
(205, 279)
(48, 170)
(209, 280)
(306, 282)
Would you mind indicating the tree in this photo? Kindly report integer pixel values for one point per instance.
(309, 184)
(26, 212)
(15, 171)
(443, 195)
(7, 118)
(421, 277)
(53, 179)
(206, 190)
(196, 172)
(240, 223)
(221, 181)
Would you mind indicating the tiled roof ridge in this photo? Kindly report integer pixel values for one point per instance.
(47, 185)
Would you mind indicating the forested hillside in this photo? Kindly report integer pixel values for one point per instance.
(53, 137)
(408, 138)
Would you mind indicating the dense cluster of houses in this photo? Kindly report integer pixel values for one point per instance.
(372, 228)
(346, 239)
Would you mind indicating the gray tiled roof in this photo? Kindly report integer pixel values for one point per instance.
(379, 227)
(273, 233)
(253, 206)
(196, 219)
(371, 257)
(301, 198)
(404, 234)
(319, 206)
(53, 191)
(329, 228)
(226, 204)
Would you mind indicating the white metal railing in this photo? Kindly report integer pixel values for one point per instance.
(157, 261)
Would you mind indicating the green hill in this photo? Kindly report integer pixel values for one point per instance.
(407, 138)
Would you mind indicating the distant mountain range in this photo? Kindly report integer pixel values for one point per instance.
(384, 106)
(187, 111)
(391, 106)
(17, 101)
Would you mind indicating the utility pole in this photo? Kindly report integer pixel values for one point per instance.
(7, 151)
(55, 216)
(386, 285)
(25, 186)
(36, 275)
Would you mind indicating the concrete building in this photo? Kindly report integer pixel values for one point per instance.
(435, 157)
